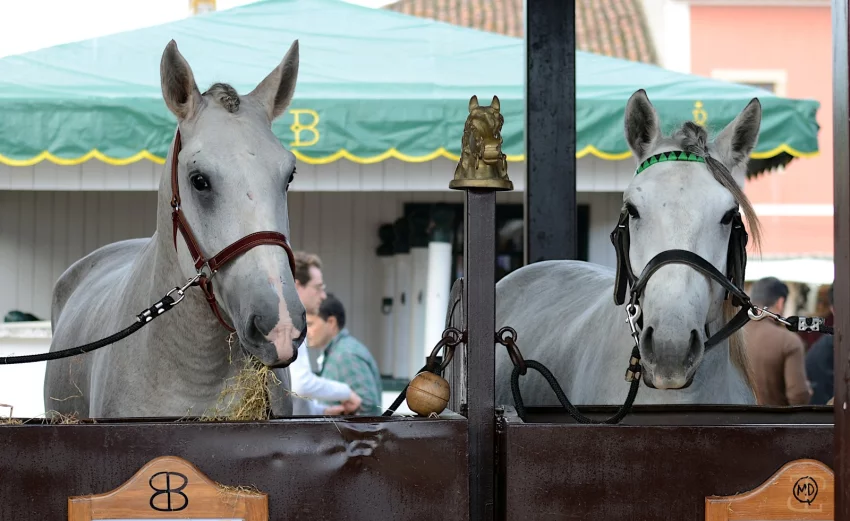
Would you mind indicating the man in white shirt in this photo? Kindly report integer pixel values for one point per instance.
(308, 387)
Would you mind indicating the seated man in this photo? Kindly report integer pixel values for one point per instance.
(344, 358)
(308, 388)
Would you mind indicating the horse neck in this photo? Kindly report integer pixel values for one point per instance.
(189, 333)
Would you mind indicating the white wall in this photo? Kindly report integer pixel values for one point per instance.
(42, 233)
(594, 175)
(669, 26)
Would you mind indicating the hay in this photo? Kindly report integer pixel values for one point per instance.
(245, 397)
(8, 420)
(231, 495)
(57, 418)
(240, 490)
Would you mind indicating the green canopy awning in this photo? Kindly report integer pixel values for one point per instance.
(373, 85)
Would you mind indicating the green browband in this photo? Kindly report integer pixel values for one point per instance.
(675, 155)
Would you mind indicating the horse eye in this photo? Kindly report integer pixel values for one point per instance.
(291, 178)
(199, 182)
(728, 216)
(632, 211)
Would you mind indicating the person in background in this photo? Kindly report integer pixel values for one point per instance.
(820, 365)
(344, 358)
(309, 388)
(776, 354)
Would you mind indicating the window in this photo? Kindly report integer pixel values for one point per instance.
(774, 80)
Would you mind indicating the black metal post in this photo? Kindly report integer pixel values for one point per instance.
(550, 131)
(841, 256)
(480, 305)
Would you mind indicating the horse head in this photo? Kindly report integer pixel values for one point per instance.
(687, 194)
(229, 180)
(481, 148)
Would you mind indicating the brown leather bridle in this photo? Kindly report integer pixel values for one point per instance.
(225, 255)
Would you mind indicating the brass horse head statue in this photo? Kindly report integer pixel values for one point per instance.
(482, 163)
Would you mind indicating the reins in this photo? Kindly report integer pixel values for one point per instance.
(206, 270)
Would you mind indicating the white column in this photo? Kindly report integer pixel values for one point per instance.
(401, 315)
(419, 265)
(437, 295)
(388, 313)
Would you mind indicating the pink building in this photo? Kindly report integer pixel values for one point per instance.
(784, 46)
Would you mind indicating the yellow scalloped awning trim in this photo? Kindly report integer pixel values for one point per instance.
(345, 154)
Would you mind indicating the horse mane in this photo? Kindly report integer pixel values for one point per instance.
(694, 139)
(737, 348)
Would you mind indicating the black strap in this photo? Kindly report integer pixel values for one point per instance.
(142, 319)
(691, 259)
(571, 409)
(625, 275)
(808, 325)
(738, 321)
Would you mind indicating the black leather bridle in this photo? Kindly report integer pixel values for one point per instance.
(736, 262)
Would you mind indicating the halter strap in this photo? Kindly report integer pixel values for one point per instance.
(227, 254)
(673, 155)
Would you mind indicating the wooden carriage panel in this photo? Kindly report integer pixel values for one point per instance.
(356, 469)
(628, 472)
(802, 490)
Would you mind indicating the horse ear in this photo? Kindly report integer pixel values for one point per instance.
(473, 102)
(275, 92)
(642, 126)
(734, 143)
(495, 103)
(179, 90)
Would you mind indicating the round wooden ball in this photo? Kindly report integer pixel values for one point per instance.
(428, 393)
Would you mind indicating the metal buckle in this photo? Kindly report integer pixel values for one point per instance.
(210, 272)
(181, 290)
(633, 313)
(764, 313)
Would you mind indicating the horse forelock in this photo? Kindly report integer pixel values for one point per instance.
(225, 95)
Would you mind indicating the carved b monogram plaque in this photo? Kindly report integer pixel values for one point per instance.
(171, 488)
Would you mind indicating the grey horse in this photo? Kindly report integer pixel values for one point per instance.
(233, 177)
(564, 311)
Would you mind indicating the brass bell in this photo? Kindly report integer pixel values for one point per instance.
(428, 393)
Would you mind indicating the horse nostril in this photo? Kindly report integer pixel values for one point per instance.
(646, 342)
(261, 326)
(694, 347)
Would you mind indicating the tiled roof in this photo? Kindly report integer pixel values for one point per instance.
(610, 27)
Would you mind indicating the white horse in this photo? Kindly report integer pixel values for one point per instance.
(232, 176)
(564, 312)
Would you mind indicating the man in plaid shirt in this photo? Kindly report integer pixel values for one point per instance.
(344, 359)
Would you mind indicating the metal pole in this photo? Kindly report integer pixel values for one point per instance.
(841, 186)
(480, 303)
(481, 172)
(550, 131)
